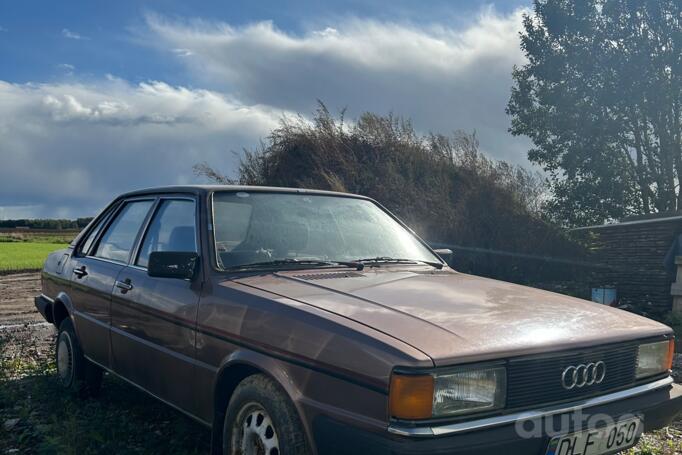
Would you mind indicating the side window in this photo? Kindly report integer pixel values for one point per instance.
(119, 238)
(85, 247)
(171, 229)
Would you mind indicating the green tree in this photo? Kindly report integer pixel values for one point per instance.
(601, 98)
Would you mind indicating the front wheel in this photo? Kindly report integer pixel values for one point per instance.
(74, 372)
(260, 420)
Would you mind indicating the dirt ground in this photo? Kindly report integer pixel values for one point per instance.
(19, 319)
(16, 298)
(36, 417)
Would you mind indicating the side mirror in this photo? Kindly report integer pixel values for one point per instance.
(445, 254)
(173, 264)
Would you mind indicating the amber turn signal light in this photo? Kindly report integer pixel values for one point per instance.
(671, 354)
(411, 396)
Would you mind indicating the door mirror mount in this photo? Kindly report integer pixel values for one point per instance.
(173, 264)
(445, 254)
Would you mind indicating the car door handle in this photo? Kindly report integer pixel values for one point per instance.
(80, 272)
(124, 286)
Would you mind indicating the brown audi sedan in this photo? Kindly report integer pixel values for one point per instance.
(298, 322)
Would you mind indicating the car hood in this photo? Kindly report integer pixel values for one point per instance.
(457, 318)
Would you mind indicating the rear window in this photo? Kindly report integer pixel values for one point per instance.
(86, 245)
(119, 238)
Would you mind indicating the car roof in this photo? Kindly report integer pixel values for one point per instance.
(205, 189)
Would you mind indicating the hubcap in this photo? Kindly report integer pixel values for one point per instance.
(64, 358)
(254, 432)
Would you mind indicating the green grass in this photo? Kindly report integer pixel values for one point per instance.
(25, 255)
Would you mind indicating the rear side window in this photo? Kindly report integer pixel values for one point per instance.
(119, 238)
(85, 247)
(171, 229)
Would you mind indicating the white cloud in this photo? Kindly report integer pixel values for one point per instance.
(66, 33)
(66, 67)
(443, 78)
(69, 148)
(182, 52)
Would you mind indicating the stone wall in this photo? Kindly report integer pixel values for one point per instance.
(629, 256)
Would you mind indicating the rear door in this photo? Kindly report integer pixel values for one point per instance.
(101, 257)
(154, 319)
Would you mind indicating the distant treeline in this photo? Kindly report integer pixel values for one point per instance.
(78, 223)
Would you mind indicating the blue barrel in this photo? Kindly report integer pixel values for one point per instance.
(605, 295)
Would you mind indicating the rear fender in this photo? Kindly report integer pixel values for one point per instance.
(64, 300)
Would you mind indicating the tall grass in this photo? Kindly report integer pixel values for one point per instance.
(442, 186)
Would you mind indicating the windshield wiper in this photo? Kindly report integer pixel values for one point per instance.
(291, 261)
(390, 260)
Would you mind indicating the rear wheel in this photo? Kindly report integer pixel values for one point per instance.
(74, 372)
(260, 420)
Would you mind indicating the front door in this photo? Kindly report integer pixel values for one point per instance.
(94, 272)
(153, 320)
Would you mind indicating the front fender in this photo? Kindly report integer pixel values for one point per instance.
(272, 367)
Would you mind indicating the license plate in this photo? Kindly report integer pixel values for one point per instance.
(600, 441)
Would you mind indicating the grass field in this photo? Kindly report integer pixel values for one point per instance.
(27, 251)
(25, 255)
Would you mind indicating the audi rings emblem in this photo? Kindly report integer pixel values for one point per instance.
(583, 375)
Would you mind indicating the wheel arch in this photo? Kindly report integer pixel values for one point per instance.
(61, 309)
(238, 366)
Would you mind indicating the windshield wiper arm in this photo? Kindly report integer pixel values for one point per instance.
(292, 261)
(389, 260)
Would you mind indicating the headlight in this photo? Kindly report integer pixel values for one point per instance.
(469, 391)
(655, 358)
(460, 391)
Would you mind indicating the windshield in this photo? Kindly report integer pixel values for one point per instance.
(254, 228)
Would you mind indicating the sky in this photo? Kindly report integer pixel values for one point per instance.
(99, 98)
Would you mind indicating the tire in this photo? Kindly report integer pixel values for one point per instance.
(261, 420)
(75, 373)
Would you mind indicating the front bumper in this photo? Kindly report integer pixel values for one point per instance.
(657, 408)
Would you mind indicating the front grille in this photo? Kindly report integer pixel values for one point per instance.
(536, 380)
